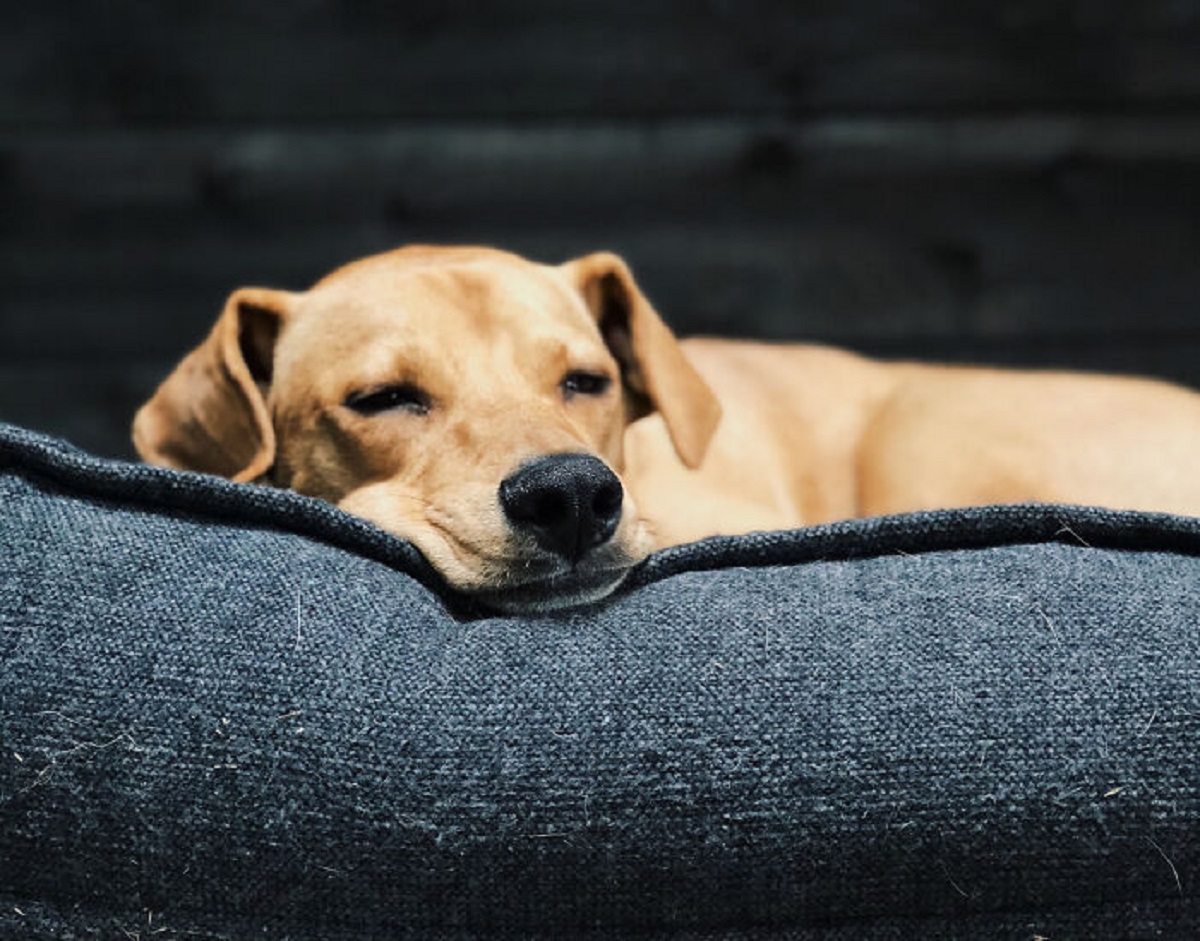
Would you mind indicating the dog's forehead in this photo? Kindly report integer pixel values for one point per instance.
(479, 297)
(373, 322)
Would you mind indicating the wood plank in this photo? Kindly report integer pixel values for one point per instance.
(431, 170)
(841, 284)
(862, 262)
(125, 61)
(859, 231)
(91, 406)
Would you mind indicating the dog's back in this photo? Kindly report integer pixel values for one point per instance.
(813, 434)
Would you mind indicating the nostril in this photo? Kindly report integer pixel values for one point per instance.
(608, 500)
(548, 508)
(530, 505)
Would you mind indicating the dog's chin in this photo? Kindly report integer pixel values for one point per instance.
(571, 589)
(513, 576)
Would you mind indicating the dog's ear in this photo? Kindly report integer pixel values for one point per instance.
(653, 366)
(211, 413)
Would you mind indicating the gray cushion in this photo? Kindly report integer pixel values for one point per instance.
(229, 711)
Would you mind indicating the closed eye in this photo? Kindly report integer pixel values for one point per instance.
(404, 397)
(584, 382)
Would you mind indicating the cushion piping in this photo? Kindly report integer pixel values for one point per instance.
(40, 457)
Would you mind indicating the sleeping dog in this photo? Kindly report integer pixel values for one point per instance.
(537, 430)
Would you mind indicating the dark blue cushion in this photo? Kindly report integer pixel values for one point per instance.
(229, 711)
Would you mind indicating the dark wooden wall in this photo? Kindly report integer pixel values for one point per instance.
(1014, 182)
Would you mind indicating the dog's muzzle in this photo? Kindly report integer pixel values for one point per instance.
(568, 503)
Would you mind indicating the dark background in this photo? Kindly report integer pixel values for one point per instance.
(994, 182)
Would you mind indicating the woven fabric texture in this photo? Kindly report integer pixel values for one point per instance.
(228, 711)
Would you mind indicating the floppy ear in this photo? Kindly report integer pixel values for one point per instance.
(211, 414)
(652, 363)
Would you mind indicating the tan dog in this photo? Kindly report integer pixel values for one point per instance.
(482, 406)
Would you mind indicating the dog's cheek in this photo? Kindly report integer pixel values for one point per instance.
(462, 575)
(613, 447)
(397, 513)
(317, 470)
(634, 537)
(607, 438)
(319, 457)
(462, 546)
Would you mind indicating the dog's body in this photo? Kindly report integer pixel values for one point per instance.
(483, 406)
(812, 434)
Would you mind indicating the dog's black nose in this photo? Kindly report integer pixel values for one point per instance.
(569, 503)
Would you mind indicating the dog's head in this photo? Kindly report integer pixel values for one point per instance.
(467, 400)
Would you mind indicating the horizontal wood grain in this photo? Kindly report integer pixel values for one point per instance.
(126, 243)
(125, 61)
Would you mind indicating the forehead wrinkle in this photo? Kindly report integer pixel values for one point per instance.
(452, 319)
(494, 295)
(485, 293)
(354, 344)
(526, 323)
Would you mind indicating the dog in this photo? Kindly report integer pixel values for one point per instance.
(536, 430)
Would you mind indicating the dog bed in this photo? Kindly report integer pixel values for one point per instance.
(228, 711)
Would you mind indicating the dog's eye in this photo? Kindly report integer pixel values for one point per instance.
(582, 382)
(404, 397)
